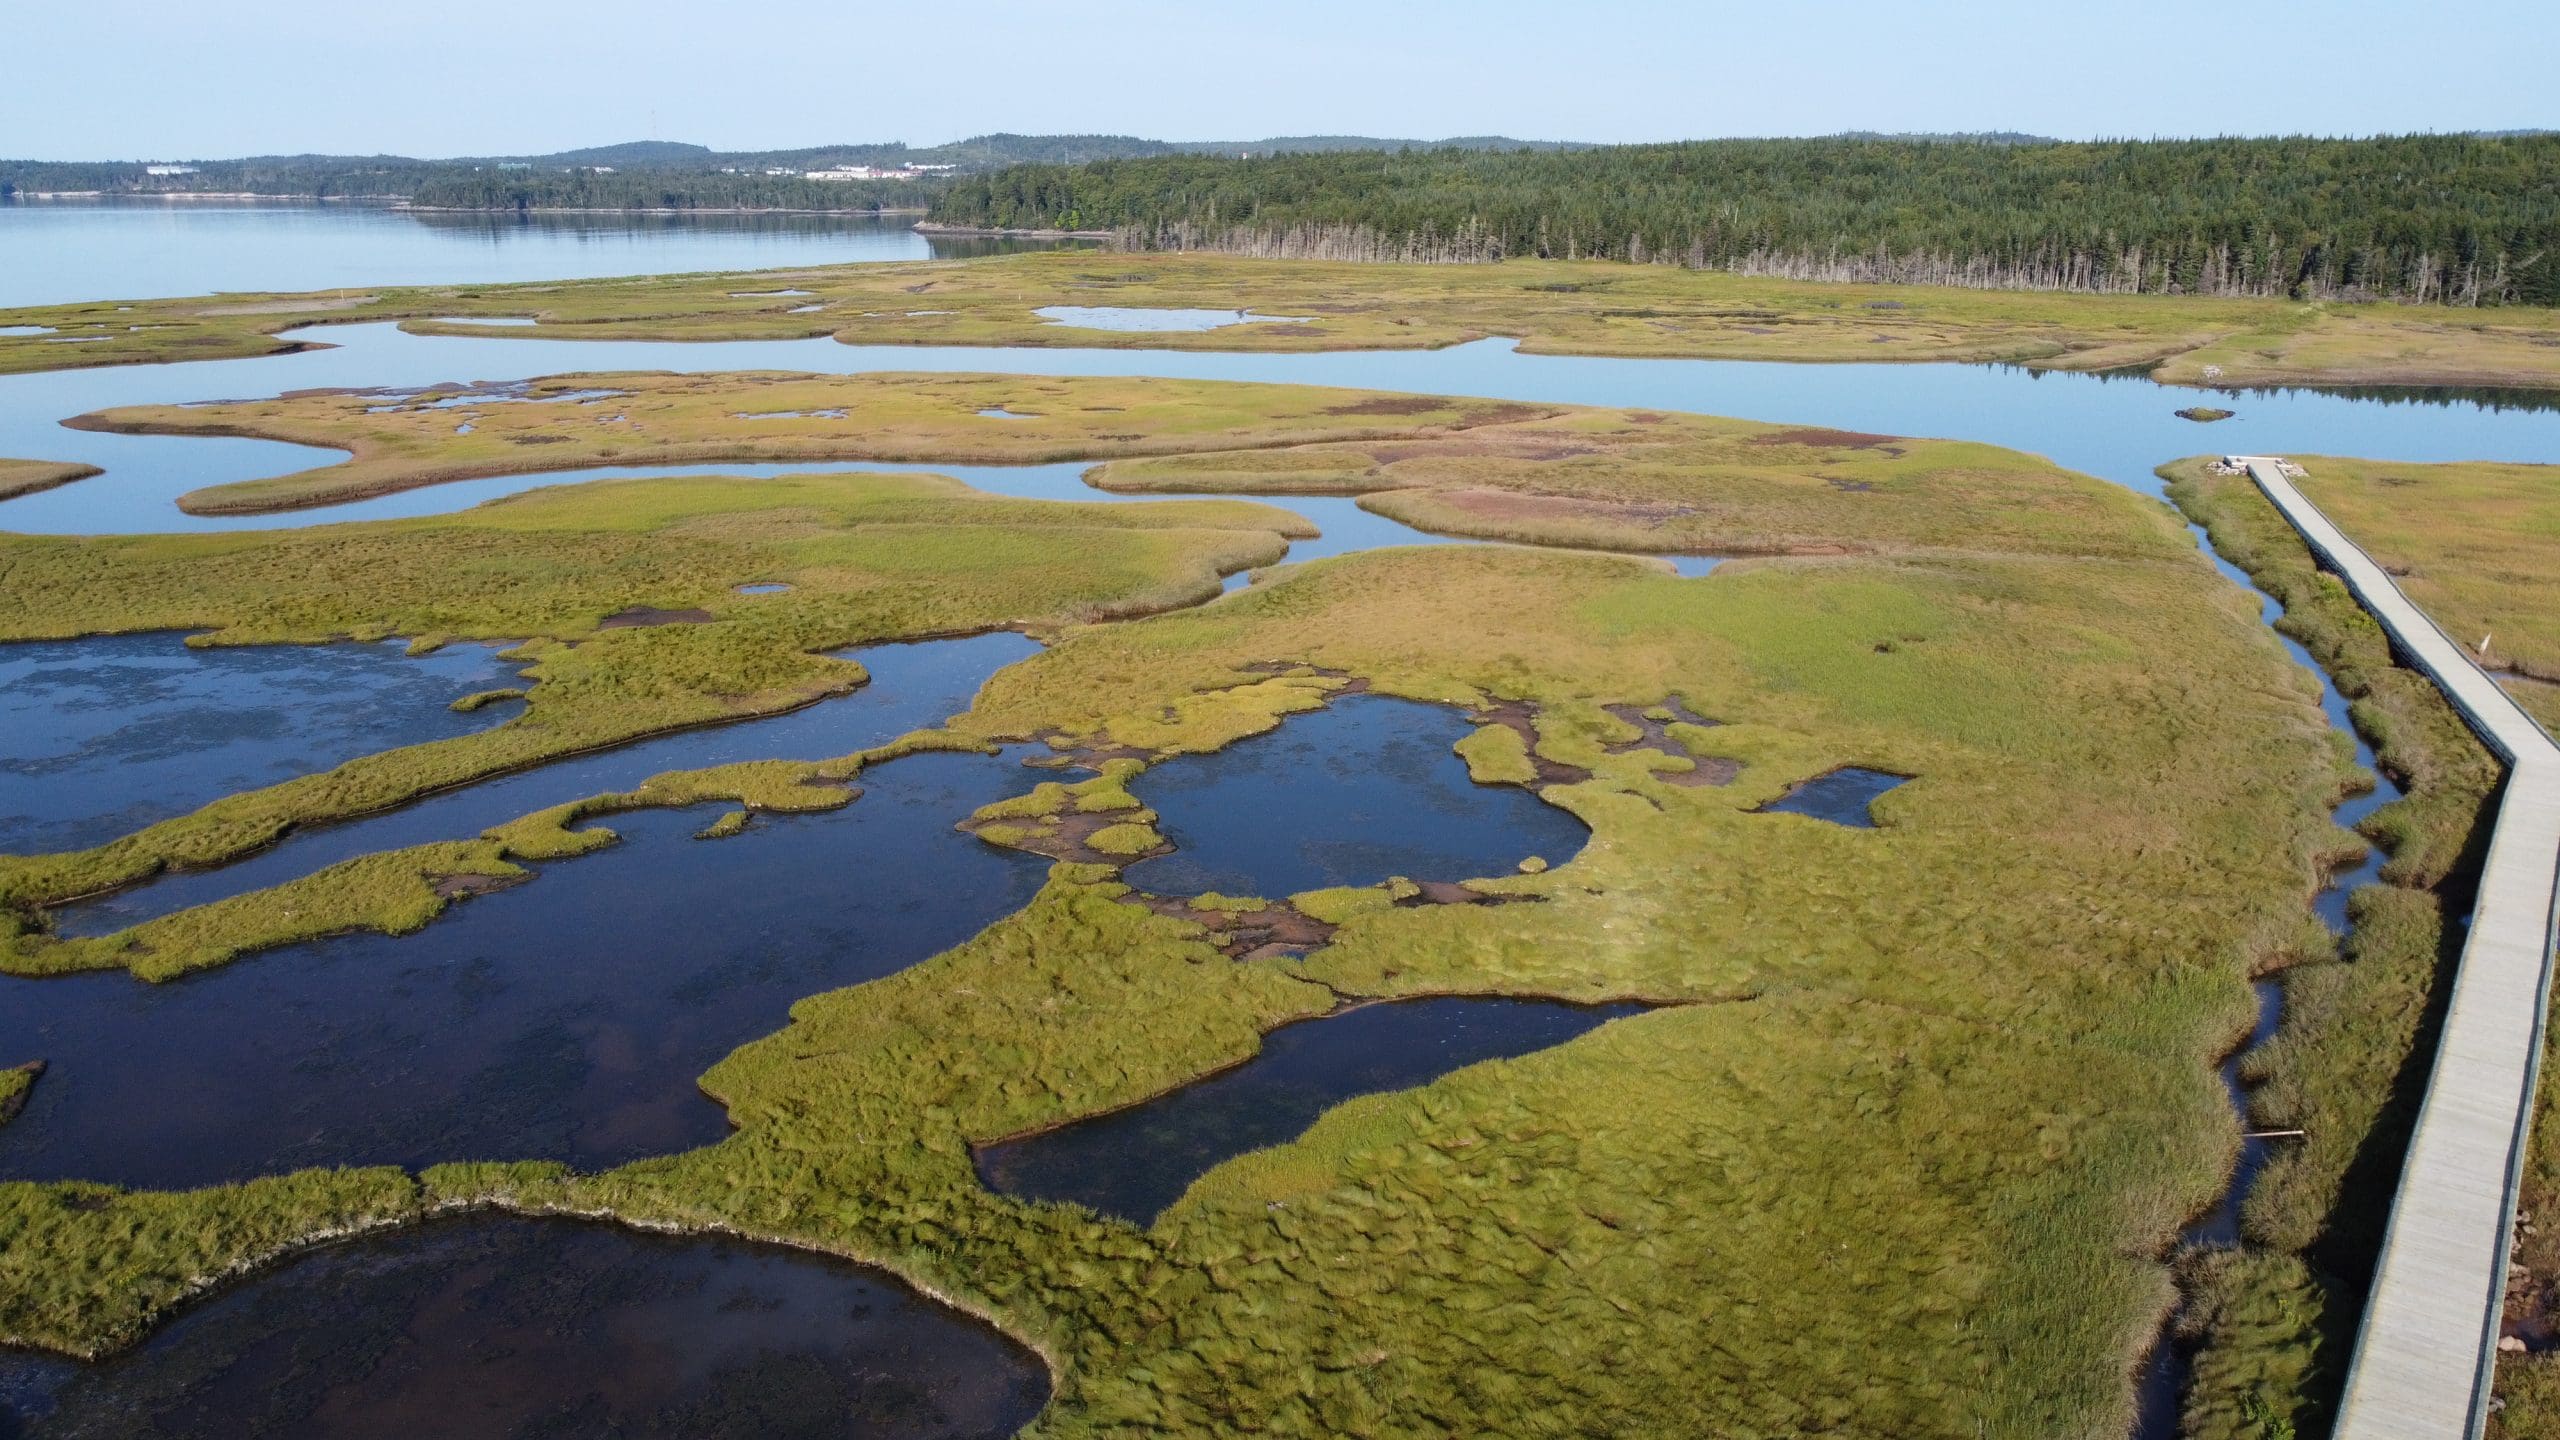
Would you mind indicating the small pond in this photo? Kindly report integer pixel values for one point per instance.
(565, 1019)
(490, 1325)
(912, 687)
(104, 735)
(1363, 789)
(1156, 320)
(1841, 797)
(1134, 1163)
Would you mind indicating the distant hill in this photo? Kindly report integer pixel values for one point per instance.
(630, 152)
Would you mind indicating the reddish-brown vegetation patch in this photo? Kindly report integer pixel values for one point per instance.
(1823, 439)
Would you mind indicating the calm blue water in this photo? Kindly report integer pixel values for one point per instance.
(1361, 790)
(500, 1325)
(1133, 1163)
(2117, 429)
(912, 687)
(102, 736)
(55, 252)
(1841, 797)
(563, 1019)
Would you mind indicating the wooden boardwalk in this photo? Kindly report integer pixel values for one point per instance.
(2427, 1350)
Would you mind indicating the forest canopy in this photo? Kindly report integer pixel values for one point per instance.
(2453, 219)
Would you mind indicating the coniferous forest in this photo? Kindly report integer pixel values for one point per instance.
(2450, 219)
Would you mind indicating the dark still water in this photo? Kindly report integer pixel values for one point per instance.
(564, 1019)
(1351, 794)
(1134, 1163)
(493, 1325)
(913, 687)
(1842, 796)
(102, 736)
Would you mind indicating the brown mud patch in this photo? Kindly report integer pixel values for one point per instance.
(1278, 931)
(1391, 405)
(1655, 734)
(1067, 837)
(1520, 718)
(463, 887)
(639, 615)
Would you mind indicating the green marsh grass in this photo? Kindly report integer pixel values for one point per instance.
(1553, 307)
(1904, 1155)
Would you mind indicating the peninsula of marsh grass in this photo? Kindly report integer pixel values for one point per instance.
(1904, 1151)
(25, 477)
(1550, 306)
(1635, 480)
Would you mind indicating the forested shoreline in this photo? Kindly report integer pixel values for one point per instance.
(2459, 220)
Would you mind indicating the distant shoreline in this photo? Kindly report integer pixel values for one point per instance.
(636, 210)
(401, 202)
(931, 227)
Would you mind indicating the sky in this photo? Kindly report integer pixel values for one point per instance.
(170, 79)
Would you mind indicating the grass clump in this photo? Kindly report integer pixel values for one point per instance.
(1128, 838)
(1496, 755)
(15, 1082)
(483, 699)
(730, 823)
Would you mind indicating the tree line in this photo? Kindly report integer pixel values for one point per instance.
(2447, 219)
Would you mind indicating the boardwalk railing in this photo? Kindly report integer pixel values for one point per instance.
(2427, 1350)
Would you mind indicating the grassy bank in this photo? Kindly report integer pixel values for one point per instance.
(2479, 549)
(2476, 545)
(25, 477)
(869, 558)
(1555, 307)
(2275, 1318)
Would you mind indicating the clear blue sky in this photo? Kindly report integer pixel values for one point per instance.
(97, 79)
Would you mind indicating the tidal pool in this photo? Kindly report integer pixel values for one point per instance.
(563, 1019)
(1841, 797)
(104, 735)
(490, 1325)
(913, 687)
(1156, 320)
(1134, 1163)
(1363, 789)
